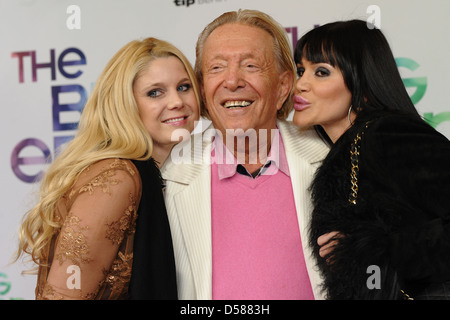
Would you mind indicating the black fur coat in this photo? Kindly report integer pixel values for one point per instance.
(401, 222)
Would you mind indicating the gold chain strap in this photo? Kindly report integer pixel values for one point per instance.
(354, 153)
(406, 296)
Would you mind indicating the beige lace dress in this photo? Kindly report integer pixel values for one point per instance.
(90, 257)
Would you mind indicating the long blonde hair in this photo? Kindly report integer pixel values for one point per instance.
(109, 127)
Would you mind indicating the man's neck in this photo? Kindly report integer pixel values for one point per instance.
(251, 150)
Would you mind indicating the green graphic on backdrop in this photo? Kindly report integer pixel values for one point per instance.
(420, 83)
(5, 287)
(435, 119)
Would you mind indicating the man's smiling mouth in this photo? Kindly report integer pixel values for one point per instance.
(236, 104)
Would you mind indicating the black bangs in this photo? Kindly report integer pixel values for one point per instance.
(316, 48)
(363, 56)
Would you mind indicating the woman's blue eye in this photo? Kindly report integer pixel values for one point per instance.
(154, 93)
(184, 87)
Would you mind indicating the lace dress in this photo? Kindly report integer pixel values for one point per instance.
(91, 256)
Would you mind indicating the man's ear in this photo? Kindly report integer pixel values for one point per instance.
(285, 88)
(202, 91)
(202, 96)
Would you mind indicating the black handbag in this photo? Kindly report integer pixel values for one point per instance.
(434, 291)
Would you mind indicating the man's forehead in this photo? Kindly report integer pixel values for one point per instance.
(248, 43)
(236, 32)
(234, 55)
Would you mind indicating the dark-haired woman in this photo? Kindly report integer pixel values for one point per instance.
(381, 221)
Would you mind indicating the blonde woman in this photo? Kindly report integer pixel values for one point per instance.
(100, 229)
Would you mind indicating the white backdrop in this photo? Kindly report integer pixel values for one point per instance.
(51, 53)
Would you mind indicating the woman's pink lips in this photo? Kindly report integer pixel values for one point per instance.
(176, 121)
(300, 103)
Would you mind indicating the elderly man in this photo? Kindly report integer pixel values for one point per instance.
(239, 227)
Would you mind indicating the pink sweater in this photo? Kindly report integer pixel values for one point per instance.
(256, 247)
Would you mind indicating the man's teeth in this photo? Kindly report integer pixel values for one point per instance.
(237, 104)
(174, 120)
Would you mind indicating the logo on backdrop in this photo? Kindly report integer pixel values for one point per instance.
(66, 65)
(188, 3)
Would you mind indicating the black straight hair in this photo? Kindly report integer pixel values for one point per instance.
(363, 55)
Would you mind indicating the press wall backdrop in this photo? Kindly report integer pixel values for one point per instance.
(52, 51)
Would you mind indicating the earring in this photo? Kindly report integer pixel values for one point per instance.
(349, 112)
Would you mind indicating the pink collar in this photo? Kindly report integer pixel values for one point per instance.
(227, 163)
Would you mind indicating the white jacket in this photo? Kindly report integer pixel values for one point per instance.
(188, 202)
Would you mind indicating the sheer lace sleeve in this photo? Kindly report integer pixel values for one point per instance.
(98, 213)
